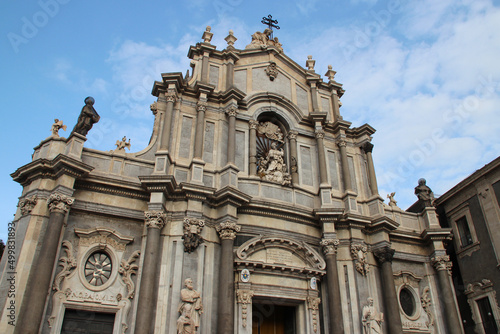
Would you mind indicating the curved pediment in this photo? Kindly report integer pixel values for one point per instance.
(280, 251)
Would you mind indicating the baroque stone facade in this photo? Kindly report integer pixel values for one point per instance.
(254, 196)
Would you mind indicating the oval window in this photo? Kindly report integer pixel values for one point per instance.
(407, 301)
(98, 268)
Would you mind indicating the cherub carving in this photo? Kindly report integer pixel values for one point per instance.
(56, 127)
(121, 145)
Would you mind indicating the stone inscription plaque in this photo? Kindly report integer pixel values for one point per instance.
(275, 255)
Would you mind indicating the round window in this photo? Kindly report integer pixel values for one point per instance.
(407, 301)
(98, 268)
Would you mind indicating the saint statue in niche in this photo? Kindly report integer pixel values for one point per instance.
(190, 309)
(271, 155)
(372, 318)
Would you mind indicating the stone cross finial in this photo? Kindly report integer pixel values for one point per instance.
(230, 39)
(330, 74)
(207, 35)
(310, 63)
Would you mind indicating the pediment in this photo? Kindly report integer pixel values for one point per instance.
(280, 251)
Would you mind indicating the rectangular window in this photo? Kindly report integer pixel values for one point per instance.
(464, 231)
(487, 318)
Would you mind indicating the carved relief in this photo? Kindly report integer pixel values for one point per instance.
(68, 263)
(270, 130)
(59, 203)
(26, 205)
(261, 40)
(102, 236)
(127, 269)
(313, 305)
(245, 299)
(122, 144)
(358, 252)
(192, 234)
(272, 71)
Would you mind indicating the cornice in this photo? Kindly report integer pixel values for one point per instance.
(159, 183)
(279, 211)
(52, 169)
(230, 195)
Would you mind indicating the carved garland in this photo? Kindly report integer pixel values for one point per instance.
(313, 305)
(27, 204)
(358, 252)
(426, 301)
(192, 234)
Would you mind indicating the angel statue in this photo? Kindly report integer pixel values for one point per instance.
(392, 201)
(121, 145)
(56, 127)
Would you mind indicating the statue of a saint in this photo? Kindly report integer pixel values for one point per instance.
(88, 116)
(190, 309)
(424, 193)
(372, 319)
(56, 127)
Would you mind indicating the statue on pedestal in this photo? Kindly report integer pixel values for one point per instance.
(190, 309)
(372, 319)
(88, 116)
(424, 193)
(58, 125)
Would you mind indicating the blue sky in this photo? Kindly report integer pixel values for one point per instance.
(425, 74)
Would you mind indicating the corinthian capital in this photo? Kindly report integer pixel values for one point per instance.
(320, 134)
(201, 106)
(228, 230)
(232, 111)
(59, 203)
(341, 143)
(441, 262)
(368, 147)
(27, 204)
(329, 246)
(385, 254)
(171, 95)
(155, 219)
(252, 124)
(292, 135)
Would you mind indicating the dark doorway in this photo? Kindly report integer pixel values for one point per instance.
(273, 319)
(489, 325)
(87, 322)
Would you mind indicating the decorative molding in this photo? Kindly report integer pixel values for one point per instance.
(299, 249)
(228, 230)
(320, 134)
(192, 234)
(26, 205)
(68, 263)
(102, 236)
(358, 252)
(442, 262)
(330, 246)
(127, 269)
(171, 95)
(313, 305)
(245, 299)
(155, 219)
(252, 124)
(341, 143)
(59, 203)
(292, 135)
(154, 107)
(201, 106)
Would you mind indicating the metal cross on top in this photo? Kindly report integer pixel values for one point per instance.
(270, 23)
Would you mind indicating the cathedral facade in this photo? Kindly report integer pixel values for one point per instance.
(254, 209)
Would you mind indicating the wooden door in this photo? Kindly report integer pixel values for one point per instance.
(273, 319)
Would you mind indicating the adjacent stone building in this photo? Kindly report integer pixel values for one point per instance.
(472, 210)
(254, 209)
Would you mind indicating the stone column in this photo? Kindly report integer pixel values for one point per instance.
(345, 165)
(169, 100)
(368, 148)
(200, 130)
(320, 134)
(253, 147)
(154, 220)
(231, 140)
(225, 308)
(292, 137)
(38, 287)
(334, 302)
(443, 265)
(393, 319)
